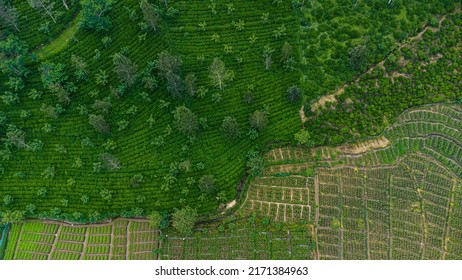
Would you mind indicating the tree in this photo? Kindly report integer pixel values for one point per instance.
(46, 5)
(52, 74)
(303, 137)
(150, 15)
(16, 137)
(110, 161)
(170, 68)
(13, 54)
(207, 184)
(219, 74)
(286, 52)
(191, 86)
(94, 14)
(259, 120)
(184, 220)
(9, 15)
(230, 128)
(99, 123)
(186, 121)
(154, 219)
(358, 58)
(293, 94)
(125, 69)
(12, 216)
(80, 66)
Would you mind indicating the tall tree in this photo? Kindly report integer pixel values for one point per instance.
(184, 220)
(259, 120)
(125, 69)
(169, 67)
(9, 15)
(219, 74)
(46, 5)
(150, 15)
(99, 123)
(186, 121)
(13, 54)
(16, 137)
(230, 128)
(94, 14)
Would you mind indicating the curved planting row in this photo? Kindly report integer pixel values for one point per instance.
(397, 202)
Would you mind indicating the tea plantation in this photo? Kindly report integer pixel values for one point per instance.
(210, 129)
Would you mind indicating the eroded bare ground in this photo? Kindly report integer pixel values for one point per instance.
(331, 98)
(365, 146)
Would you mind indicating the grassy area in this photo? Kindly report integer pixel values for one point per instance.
(61, 42)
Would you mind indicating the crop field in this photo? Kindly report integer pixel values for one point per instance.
(400, 201)
(230, 129)
(68, 165)
(127, 239)
(120, 240)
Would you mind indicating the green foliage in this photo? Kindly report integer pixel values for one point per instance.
(259, 120)
(95, 14)
(186, 121)
(303, 137)
(254, 163)
(230, 128)
(207, 184)
(125, 69)
(358, 58)
(183, 220)
(155, 218)
(13, 54)
(293, 94)
(12, 216)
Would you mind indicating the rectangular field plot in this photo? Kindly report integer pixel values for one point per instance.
(242, 242)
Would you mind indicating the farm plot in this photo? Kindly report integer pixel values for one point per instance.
(122, 239)
(242, 241)
(401, 201)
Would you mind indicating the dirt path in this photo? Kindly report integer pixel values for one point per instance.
(366, 221)
(55, 240)
(316, 215)
(85, 242)
(128, 240)
(390, 235)
(111, 242)
(448, 222)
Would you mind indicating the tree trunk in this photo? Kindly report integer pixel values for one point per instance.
(65, 4)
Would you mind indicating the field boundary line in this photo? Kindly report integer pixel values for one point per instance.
(16, 249)
(55, 240)
(85, 243)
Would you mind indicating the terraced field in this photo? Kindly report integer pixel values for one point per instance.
(120, 240)
(400, 201)
(128, 239)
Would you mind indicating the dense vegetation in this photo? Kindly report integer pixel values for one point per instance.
(160, 108)
(128, 115)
